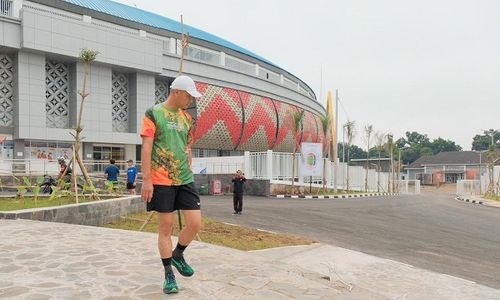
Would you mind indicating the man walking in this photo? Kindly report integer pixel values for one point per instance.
(238, 181)
(112, 172)
(168, 182)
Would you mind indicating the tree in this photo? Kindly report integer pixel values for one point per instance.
(355, 151)
(298, 117)
(368, 136)
(415, 145)
(389, 146)
(483, 142)
(492, 158)
(87, 57)
(379, 146)
(442, 145)
(325, 126)
(350, 128)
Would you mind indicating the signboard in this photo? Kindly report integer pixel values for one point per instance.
(217, 187)
(311, 162)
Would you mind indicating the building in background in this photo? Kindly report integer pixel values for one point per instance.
(448, 167)
(247, 100)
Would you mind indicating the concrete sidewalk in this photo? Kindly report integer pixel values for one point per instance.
(41, 260)
(478, 200)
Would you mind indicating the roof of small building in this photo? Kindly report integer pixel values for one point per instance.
(453, 158)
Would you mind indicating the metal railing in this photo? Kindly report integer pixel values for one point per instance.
(6, 7)
(34, 167)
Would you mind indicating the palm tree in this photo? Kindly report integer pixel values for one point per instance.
(368, 135)
(350, 132)
(379, 142)
(325, 125)
(298, 117)
(389, 146)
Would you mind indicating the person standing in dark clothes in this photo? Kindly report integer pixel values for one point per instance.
(238, 182)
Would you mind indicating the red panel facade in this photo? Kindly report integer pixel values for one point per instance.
(219, 118)
(261, 123)
(228, 119)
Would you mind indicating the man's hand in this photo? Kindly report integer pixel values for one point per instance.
(146, 190)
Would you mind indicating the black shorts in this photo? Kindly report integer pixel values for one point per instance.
(171, 198)
(130, 186)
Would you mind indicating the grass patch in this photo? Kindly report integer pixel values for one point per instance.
(492, 197)
(8, 204)
(217, 233)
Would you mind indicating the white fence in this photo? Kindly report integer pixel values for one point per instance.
(277, 167)
(479, 187)
(50, 167)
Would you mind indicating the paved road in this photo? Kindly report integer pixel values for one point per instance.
(430, 231)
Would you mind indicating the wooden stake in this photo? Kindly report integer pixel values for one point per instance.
(74, 175)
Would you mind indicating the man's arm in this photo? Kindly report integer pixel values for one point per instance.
(147, 185)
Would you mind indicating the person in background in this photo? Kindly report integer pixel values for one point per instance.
(62, 167)
(238, 182)
(112, 172)
(131, 177)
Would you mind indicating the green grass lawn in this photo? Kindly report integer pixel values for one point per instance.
(8, 204)
(218, 233)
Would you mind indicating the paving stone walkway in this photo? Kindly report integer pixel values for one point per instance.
(60, 261)
(41, 260)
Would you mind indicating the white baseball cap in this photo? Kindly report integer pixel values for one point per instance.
(185, 83)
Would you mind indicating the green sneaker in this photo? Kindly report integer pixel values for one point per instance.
(181, 265)
(170, 285)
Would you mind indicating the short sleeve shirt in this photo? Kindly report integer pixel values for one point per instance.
(131, 174)
(112, 171)
(171, 153)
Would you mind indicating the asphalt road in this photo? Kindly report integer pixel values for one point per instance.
(430, 231)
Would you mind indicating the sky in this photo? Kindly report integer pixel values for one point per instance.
(431, 66)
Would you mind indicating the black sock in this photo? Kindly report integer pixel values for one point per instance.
(179, 250)
(167, 264)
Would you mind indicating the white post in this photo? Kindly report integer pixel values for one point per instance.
(299, 171)
(16, 8)
(173, 45)
(257, 70)
(246, 165)
(269, 165)
(328, 175)
(222, 60)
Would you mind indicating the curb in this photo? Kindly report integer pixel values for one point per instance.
(470, 200)
(334, 196)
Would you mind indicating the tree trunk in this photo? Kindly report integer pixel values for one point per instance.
(378, 173)
(347, 177)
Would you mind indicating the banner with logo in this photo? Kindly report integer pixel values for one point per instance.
(311, 162)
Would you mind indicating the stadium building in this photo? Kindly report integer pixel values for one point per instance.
(247, 102)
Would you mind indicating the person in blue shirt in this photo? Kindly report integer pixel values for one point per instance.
(112, 172)
(131, 177)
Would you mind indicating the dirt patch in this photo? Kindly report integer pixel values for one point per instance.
(214, 232)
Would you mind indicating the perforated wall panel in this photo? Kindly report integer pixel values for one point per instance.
(261, 123)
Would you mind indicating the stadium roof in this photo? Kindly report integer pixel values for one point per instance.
(150, 19)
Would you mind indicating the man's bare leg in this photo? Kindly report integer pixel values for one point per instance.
(193, 225)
